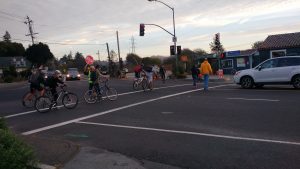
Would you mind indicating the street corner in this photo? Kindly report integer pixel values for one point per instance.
(95, 158)
(53, 152)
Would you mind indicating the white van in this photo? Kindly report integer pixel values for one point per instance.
(280, 70)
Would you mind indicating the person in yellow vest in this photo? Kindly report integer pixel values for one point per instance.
(205, 71)
(90, 71)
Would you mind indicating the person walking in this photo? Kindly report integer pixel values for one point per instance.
(195, 72)
(162, 72)
(205, 71)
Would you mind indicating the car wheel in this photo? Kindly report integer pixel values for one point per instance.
(247, 82)
(296, 82)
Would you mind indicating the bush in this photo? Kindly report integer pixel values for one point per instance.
(14, 153)
(8, 79)
(181, 76)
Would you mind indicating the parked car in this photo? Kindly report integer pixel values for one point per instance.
(280, 70)
(73, 74)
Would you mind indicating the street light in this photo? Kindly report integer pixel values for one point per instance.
(174, 34)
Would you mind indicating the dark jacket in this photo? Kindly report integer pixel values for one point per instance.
(195, 71)
(52, 82)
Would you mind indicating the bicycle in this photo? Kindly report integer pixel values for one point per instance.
(29, 101)
(92, 96)
(142, 81)
(45, 103)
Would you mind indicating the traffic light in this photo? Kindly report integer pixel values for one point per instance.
(172, 50)
(178, 50)
(142, 29)
(223, 55)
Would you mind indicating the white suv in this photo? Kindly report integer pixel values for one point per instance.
(280, 70)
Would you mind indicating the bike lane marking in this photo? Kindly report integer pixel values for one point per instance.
(121, 94)
(114, 110)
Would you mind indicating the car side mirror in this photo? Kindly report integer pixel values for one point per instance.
(259, 68)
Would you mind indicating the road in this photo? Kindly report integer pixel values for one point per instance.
(175, 124)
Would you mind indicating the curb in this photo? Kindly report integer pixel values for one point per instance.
(45, 166)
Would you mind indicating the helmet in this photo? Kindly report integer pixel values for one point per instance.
(57, 72)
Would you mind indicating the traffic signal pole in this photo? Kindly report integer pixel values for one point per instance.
(174, 34)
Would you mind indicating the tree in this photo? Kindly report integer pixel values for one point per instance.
(151, 61)
(216, 46)
(6, 37)
(257, 44)
(79, 61)
(200, 52)
(70, 56)
(11, 49)
(38, 54)
(133, 59)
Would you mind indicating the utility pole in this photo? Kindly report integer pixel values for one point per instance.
(31, 33)
(132, 45)
(109, 61)
(98, 53)
(118, 48)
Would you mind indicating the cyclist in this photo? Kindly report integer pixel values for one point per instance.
(137, 70)
(52, 83)
(37, 81)
(148, 70)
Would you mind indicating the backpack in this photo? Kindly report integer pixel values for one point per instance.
(34, 78)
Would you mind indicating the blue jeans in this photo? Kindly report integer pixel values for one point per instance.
(206, 77)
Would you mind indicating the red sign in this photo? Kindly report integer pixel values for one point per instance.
(89, 60)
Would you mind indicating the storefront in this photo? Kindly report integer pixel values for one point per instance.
(237, 60)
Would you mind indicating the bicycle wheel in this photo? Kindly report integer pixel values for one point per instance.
(111, 94)
(70, 100)
(135, 85)
(90, 96)
(144, 84)
(43, 104)
(28, 102)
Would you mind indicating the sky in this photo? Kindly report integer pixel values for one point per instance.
(86, 25)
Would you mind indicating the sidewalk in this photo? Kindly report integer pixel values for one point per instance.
(61, 154)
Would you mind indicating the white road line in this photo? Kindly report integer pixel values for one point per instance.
(121, 94)
(110, 111)
(267, 100)
(193, 133)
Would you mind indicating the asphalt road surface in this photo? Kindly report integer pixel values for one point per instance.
(175, 124)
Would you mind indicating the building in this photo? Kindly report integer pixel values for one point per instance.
(280, 45)
(233, 61)
(19, 62)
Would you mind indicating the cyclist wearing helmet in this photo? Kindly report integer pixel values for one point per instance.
(52, 82)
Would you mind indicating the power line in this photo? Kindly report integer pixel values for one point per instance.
(11, 19)
(11, 15)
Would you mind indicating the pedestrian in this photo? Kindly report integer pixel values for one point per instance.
(162, 72)
(195, 72)
(92, 76)
(205, 71)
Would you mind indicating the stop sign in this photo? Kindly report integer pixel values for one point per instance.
(89, 60)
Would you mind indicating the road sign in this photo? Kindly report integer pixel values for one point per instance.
(89, 60)
(174, 39)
